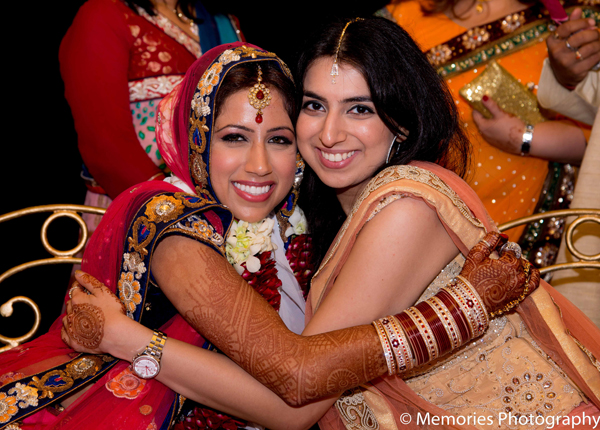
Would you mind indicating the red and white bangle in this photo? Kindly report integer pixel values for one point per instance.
(399, 343)
(385, 344)
(442, 323)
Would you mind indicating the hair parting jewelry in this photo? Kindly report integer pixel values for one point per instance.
(259, 97)
(434, 327)
(334, 67)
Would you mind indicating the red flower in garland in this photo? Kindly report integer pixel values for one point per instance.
(299, 254)
(265, 281)
(204, 418)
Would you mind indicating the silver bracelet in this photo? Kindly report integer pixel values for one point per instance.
(527, 138)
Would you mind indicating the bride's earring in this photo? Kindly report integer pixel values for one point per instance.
(299, 171)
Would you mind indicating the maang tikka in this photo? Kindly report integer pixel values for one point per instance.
(334, 68)
(259, 97)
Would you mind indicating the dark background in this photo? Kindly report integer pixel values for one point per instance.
(42, 163)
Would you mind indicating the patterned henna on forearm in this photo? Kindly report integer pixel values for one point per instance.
(85, 325)
(240, 323)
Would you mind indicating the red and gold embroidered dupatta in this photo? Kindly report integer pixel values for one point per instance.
(41, 372)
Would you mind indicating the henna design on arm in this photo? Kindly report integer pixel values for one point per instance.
(86, 325)
(231, 315)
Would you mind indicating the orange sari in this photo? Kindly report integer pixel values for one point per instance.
(538, 361)
(509, 185)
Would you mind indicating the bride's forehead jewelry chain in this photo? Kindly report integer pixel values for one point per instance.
(334, 68)
(259, 97)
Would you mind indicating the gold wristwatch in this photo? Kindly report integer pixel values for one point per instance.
(146, 364)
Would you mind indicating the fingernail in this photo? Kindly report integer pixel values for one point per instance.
(504, 236)
(485, 98)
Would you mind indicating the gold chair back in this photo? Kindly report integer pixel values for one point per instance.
(57, 257)
(576, 218)
(75, 211)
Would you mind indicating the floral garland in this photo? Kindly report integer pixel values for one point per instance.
(245, 241)
(249, 250)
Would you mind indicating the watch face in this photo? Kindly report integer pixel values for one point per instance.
(146, 367)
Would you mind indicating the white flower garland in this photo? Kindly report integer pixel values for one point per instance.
(246, 240)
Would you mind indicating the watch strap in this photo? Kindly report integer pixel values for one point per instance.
(155, 347)
(527, 138)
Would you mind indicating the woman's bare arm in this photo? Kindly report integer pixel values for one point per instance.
(395, 257)
(559, 141)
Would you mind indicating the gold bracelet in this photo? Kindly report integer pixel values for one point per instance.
(514, 303)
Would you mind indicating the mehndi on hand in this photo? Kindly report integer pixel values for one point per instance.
(501, 283)
(92, 306)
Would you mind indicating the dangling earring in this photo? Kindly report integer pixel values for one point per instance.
(299, 171)
(288, 207)
(389, 154)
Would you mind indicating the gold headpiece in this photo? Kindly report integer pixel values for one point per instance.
(334, 68)
(259, 97)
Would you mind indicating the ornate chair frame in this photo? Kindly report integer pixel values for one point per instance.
(57, 257)
(580, 216)
(74, 211)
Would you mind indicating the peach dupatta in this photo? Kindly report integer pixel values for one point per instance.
(562, 331)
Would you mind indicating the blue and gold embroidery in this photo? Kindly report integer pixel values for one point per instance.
(22, 397)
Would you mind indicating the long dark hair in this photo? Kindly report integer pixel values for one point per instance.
(406, 91)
